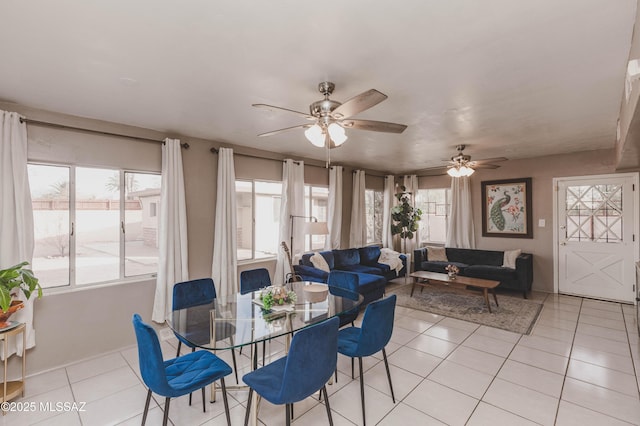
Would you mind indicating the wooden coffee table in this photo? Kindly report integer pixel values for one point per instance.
(422, 278)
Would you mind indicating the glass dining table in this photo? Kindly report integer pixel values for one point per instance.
(238, 320)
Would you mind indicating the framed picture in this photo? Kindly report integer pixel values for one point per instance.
(506, 208)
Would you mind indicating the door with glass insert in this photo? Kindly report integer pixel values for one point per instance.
(596, 243)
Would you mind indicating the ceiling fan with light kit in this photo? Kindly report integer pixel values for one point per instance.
(328, 119)
(461, 165)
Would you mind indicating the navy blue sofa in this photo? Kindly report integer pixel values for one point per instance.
(373, 276)
(485, 264)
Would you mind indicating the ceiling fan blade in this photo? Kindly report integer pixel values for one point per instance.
(491, 160)
(376, 126)
(359, 103)
(485, 166)
(275, 132)
(272, 108)
(433, 171)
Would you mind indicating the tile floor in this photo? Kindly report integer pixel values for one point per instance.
(580, 366)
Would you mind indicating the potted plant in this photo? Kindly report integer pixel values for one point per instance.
(405, 217)
(12, 280)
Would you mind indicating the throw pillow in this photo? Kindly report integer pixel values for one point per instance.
(509, 260)
(319, 262)
(437, 254)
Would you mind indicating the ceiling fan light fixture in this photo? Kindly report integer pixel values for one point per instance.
(460, 171)
(315, 135)
(337, 134)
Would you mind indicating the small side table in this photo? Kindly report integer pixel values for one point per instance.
(11, 389)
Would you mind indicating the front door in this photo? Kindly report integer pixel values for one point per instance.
(596, 222)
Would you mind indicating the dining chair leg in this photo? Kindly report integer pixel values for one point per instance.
(386, 364)
(364, 421)
(288, 414)
(352, 373)
(204, 407)
(264, 351)
(146, 408)
(179, 346)
(226, 402)
(166, 411)
(246, 415)
(235, 365)
(326, 402)
(192, 350)
(336, 375)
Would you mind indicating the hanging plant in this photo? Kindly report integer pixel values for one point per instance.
(404, 217)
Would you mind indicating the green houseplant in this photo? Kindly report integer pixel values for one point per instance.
(16, 278)
(405, 217)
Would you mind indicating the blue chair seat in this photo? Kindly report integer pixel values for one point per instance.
(194, 371)
(271, 377)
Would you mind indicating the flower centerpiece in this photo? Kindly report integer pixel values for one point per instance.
(276, 295)
(452, 271)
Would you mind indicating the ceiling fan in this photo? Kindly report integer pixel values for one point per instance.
(461, 165)
(328, 119)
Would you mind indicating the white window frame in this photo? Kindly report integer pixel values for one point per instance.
(122, 279)
(253, 221)
(425, 215)
(308, 193)
(375, 214)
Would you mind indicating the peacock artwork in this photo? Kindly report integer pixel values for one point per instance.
(505, 208)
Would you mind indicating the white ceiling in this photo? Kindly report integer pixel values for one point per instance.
(508, 78)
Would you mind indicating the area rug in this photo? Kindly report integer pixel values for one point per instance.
(513, 314)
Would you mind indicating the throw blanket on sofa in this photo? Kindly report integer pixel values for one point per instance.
(391, 258)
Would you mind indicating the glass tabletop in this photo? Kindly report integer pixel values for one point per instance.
(239, 319)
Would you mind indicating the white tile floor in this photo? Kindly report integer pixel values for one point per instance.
(580, 366)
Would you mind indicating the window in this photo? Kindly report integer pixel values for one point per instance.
(435, 204)
(257, 219)
(374, 204)
(93, 225)
(316, 199)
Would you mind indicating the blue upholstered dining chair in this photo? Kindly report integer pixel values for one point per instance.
(345, 284)
(371, 337)
(178, 376)
(199, 292)
(306, 369)
(252, 280)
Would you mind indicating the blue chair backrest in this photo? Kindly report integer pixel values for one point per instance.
(193, 293)
(377, 326)
(150, 357)
(254, 279)
(341, 280)
(311, 360)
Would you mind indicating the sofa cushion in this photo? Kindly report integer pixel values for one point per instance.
(510, 258)
(365, 269)
(328, 256)
(369, 255)
(320, 262)
(436, 266)
(371, 286)
(346, 257)
(475, 257)
(437, 254)
(497, 273)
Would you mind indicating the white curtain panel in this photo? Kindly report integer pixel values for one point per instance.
(411, 183)
(173, 265)
(460, 232)
(389, 201)
(225, 257)
(358, 232)
(291, 203)
(16, 213)
(334, 221)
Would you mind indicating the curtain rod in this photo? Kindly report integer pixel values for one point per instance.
(215, 151)
(99, 132)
